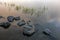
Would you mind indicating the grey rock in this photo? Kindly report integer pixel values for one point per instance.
(21, 23)
(28, 30)
(1, 17)
(10, 18)
(17, 18)
(5, 25)
(28, 22)
(47, 32)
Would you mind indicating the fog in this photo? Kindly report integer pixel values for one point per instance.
(49, 19)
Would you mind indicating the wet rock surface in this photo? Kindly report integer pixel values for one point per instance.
(28, 22)
(47, 32)
(17, 18)
(10, 18)
(5, 25)
(21, 23)
(1, 17)
(28, 30)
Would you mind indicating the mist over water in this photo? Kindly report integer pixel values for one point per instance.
(51, 16)
(49, 19)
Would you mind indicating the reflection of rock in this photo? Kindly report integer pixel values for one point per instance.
(28, 30)
(5, 24)
(10, 18)
(21, 23)
(17, 18)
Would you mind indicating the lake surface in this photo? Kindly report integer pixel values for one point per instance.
(49, 19)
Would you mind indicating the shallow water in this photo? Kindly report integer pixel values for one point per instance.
(50, 19)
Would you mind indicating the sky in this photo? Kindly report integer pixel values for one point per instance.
(29, 0)
(19, 0)
(32, 1)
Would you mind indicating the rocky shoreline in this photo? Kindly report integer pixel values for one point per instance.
(28, 29)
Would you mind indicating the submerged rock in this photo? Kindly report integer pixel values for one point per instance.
(47, 32)
(21, 23)
(5, 24)
(28, 30)
(17, 18)
(10, 18)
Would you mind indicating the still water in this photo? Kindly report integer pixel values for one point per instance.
(49, 19)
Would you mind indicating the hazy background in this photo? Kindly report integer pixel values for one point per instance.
(49, 19)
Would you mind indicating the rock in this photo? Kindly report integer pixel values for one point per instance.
(21, 23)
(10, 18)
(5, 24)
(28, 30)
(1, 17)
(47, 32)
(28, 22)
(17, 18)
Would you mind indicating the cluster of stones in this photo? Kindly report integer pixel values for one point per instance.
(28, 29)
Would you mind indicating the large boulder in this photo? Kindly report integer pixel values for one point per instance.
(10, 18)
(5, 24)
(21, 23)
(28, 30)
(17, 18)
